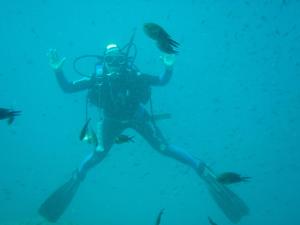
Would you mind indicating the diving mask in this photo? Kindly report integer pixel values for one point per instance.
(115, 60)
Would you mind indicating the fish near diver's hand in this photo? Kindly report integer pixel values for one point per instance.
(163, 40)
(9, 114)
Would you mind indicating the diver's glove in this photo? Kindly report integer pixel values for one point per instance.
(168, 60)
(55, 62)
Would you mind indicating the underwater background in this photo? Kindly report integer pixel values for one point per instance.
(234, 99)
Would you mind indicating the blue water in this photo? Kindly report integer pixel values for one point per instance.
(234, 99)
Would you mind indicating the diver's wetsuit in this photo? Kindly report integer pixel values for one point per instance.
(121, 98)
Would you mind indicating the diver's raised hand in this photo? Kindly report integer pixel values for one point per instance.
(168, 60)
(55, 62)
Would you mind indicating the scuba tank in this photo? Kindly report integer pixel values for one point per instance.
(94, 94)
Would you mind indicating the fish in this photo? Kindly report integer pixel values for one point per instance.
(91, 137)
(211, 221)
(9, 114)
(84, 130)
(231, 177)
(88, 135)
(163, 40)
(158, 219)
(123, 138)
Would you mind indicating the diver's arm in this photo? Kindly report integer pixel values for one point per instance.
(56, 63)
(168, 61)
(165, 77)
(75, 86)
(158, 80)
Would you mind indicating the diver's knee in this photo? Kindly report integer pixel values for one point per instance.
(99, 149)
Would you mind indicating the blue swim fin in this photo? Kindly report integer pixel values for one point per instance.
(55, 205)
(232, 205)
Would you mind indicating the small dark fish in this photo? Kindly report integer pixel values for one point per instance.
(211, 221)
(231, 177)
(123, 138)
(158, 219)
(164, 41)
(9, 115)
(84, 129)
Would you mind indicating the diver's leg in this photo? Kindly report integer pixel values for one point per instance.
(110, 129)
(154, 137)
(233, 207)
(56, 204)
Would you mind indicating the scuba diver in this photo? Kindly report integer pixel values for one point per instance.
(121, 91)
